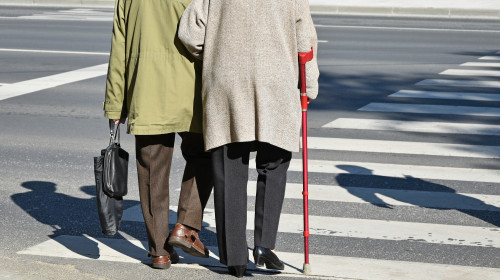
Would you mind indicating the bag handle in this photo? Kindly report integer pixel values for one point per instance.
(114, 132)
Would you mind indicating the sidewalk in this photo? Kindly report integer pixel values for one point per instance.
(438, 8)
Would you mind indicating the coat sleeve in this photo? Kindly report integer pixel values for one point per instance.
(114, 102)
(307, 38)
(192, 27)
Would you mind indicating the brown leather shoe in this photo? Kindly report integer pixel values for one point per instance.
(161, 262)
(188, 240)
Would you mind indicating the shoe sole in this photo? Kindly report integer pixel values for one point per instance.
(173, 259)
(161, 265)
(187, 247)
(261, 261)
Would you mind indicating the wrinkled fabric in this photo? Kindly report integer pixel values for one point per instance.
(151, 77)
(250, 68)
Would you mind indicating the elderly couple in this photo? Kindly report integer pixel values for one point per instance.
(223, 74)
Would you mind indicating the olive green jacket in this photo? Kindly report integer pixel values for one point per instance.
(151, 76)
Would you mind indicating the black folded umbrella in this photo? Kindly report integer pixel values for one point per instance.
(111, 171)
(110, 209)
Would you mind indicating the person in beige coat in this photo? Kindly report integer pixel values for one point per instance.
(251, 102)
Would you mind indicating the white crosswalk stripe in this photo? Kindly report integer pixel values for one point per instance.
(395, 197)
(481, 64)
(132, 251)
(414, 126)
(403, 147)
(465, 72)
(29, 86)
(362, 228)
(433, 109)
(398, 170)
(447, 95)
(490, 57)
(459, 83)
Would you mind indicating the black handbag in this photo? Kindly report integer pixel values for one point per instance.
(111, 171)
(115, 167)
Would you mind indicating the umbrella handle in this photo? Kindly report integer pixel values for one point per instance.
(303, 59)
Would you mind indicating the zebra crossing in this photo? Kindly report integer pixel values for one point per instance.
(425, 232)
(477, 78)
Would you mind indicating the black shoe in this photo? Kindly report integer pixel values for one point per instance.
(263, 256)
(237, 270)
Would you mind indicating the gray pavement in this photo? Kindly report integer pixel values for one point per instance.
(50, 229)
(436, 8)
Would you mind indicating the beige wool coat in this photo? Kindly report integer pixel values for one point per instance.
(250, 68)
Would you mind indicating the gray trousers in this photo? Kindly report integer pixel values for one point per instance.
(230, 165)
(154, 159)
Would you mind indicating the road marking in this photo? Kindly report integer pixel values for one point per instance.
(73, 15)
(490, 57)
(481, 64)
(54, 51)
(459, 83)
(39, 84)
(403, 147)
(447, 95)
(427, 199)
(405, 28)
(132, 251)
(361, 228)
(466, 72)
(322, 41)
(432, 109)
(398, 170)
(414, 126)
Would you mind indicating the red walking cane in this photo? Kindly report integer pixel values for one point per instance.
(303, 58)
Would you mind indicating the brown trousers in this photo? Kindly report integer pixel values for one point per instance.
(154, 160)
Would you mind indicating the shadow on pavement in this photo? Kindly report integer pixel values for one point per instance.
(370, 195)
(75, 222)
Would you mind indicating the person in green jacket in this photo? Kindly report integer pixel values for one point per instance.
(154, 83)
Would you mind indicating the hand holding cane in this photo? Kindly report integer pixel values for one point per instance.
(303, 59)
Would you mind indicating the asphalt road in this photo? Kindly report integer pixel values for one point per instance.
(49, 136)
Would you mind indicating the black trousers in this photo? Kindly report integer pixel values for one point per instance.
(230, 165)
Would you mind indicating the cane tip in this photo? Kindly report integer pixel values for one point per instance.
(307, 269)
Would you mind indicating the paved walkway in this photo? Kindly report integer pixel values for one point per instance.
(441, 8)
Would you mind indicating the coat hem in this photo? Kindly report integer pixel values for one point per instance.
(170, 129)
(290, 148)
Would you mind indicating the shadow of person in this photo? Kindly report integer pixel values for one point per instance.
(65, 214)
(75, 221)
(72, 219)
(418, 192)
